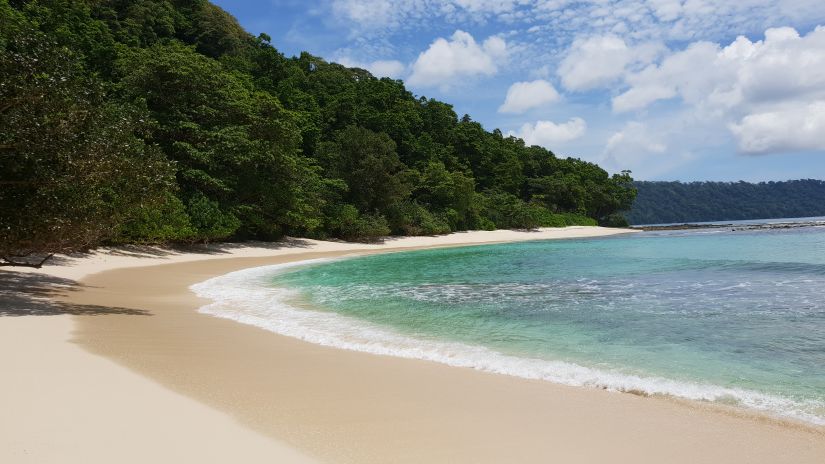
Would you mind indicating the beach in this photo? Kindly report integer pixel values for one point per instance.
(109, 360)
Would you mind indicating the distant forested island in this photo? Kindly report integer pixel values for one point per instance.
(153, 121)
(678, 202)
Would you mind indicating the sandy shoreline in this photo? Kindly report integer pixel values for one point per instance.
(340, 406)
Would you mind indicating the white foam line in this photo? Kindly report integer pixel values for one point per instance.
(246, 296)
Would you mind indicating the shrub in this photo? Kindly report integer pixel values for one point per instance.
(615, 220)
(410, 218)
(157, 224)
(347, 223)
(209, 221)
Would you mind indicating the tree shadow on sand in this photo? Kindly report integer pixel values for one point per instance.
(152, 251)
(34, 294)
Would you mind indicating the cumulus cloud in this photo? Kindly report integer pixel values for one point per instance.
(523, 96)
(548, 133)
(635, 140)
(666, 10)
(770, 92)
(791, 129)
(379, 68)
(783, 66)
(459, 56)
(644, 148)
(387, 68)
(599, 61)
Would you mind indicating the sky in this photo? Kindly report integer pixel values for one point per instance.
(669, 89)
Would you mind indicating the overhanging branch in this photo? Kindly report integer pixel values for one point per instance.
(10, 262)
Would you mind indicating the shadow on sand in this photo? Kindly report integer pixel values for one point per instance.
(150, 251)
(34, 294)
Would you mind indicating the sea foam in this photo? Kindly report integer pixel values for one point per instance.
(248, 297)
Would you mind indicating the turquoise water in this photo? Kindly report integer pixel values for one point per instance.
(737, 317)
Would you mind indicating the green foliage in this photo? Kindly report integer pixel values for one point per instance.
(163, 120)
(73, 164)
(677, 202)
(164, 222)
(209, 221)
(368, 163)
(507, 211)
(346, 222)
(615, 220)
(232, 144)
(449, 192)
(573, 219)
(410, 218)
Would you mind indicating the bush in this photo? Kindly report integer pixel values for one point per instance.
(366, 228)
(209, 222)
(573, 219)
(506, 211)
(553, 220)
(410, 218)
(157, 224)
(348, 224)
(615, 220)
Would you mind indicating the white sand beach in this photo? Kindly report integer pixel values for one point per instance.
(105, 359)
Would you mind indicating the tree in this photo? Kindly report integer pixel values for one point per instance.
(367, 162)
(73, 167)
(235, 146)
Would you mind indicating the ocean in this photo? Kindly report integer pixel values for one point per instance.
(735, 317)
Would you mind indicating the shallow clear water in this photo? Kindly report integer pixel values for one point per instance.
(734, 317)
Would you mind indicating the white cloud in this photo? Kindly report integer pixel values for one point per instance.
(634, 139)
(387, 68)
(666, 10)
(548, 133)
(523, 96)
(386, 16)
(459, 56)
(781, 67)
(366, 13)
(770, 93)
(598, 61)
(792, 129)
(487, 6)
(379, 68)
(694, 74)
(644, 149)
(635, 20)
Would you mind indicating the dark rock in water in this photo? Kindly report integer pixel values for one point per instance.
(734, 227)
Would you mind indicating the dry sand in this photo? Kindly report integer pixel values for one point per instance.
(60, 404)
(199, 388)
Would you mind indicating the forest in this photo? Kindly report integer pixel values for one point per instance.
(678, 202)
(162, 121)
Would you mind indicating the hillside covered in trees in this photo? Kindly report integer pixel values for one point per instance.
(151, 121)
(677, 202)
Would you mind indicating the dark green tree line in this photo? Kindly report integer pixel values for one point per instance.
(679, 202)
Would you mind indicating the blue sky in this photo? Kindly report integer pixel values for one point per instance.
(670, 89)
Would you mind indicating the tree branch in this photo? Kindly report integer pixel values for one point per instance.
(10, 262)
